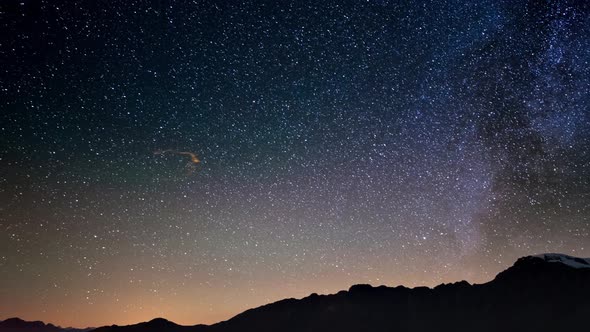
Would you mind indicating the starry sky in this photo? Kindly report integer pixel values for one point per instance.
(193, 159)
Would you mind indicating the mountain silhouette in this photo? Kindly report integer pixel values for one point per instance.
(155, 325)
(548, 292)
(538, 293)
(19, 325)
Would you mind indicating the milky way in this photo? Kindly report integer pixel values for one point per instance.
(343, 142)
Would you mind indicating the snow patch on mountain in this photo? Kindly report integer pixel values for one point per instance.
(575, 262)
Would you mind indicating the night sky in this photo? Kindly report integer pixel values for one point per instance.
(193, 159)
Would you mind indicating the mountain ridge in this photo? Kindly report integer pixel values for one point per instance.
(538, 292)
(14, 324)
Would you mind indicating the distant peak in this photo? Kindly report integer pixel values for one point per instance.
(571, 261)
(161, 321)
(15, 321)
(360, 288)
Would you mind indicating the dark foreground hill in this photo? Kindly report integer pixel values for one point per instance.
(539, 293)
(549, 292)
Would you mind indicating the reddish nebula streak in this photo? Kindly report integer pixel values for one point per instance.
(193, 157)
